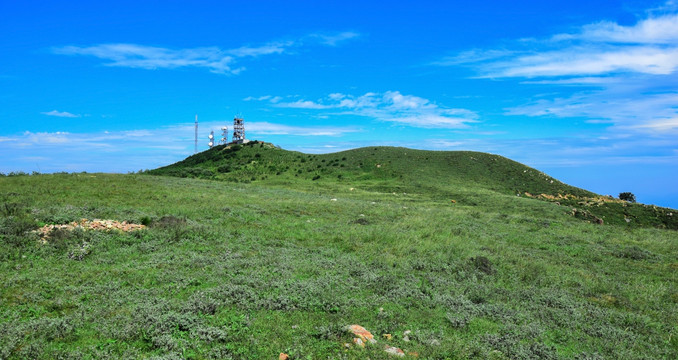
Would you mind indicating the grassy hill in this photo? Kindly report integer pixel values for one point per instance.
(263, 263)
(435, 175)
(372, 168)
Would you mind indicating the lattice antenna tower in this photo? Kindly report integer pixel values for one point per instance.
(211, 137)
(238, 129)
(224, 135)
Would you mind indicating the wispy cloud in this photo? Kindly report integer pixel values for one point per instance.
(473, 56)
(266, 128)
(661, 29)
(60, 114)
(628, 107)
(334, 39)
(390, 106)
(303, 104)
(589, 60)
(273, 99)
(149, 57)
(629, 72)
(129, 150)
(603, 105)
(214, 59)
(664, 126)
(268, 49)
(648, 47)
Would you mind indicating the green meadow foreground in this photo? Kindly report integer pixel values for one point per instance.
(258, 251)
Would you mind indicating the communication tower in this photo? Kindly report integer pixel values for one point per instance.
(211, 137)
(195, 150)
(238, 130)
(224, 135)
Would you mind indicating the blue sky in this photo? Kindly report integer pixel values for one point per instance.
(584, 91)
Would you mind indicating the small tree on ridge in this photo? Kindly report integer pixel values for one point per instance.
(627, 196)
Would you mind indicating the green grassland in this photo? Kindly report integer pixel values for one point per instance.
(251, 251)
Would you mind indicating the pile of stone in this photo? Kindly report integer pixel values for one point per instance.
(364, 337)
(85, 224)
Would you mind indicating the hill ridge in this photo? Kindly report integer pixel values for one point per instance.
(437, 175)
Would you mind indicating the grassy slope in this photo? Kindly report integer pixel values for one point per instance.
(435, 175)
(278, 266)
(373, 168)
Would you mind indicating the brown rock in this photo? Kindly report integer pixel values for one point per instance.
(362, 333)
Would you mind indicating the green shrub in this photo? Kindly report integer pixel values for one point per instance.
(80, 251)
(12, 209)
(627, 196)
(482, 264)
(169, 221)
(633, 253)
(331, 331)
(17, 225)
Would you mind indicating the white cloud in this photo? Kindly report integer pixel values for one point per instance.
(268, 49)
(214, 59)
(654, 30)
(630, 73)
(587, 60)
(473, 56)
(390, 106)
(303, 104)
(151, 147)
(266, 128)
(262, 98)
(149, 57)
(664, 126)
(444, 144)
(332, 40)
(60, 114)
(578, 81)
(648, 47)
(129, 150)
(627, 110)
(430, 121)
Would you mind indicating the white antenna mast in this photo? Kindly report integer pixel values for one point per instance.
(224, 135)
(195, 150)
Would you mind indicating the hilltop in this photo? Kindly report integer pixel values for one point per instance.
(374, 168)
(450, 175)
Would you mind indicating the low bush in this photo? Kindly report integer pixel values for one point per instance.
(12, 209)
(482, 264)
(633, 253)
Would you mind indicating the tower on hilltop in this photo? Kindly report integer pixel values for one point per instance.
(238, 130)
